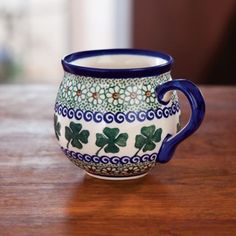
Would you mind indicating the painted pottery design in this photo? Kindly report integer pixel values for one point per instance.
(114, 127)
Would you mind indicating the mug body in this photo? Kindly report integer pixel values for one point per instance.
(107, 119)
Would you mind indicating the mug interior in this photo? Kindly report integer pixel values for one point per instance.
(119, 61)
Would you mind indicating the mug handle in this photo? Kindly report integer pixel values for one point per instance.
(197, 103)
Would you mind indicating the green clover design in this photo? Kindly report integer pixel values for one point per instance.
(57, 127)
(111, 140)
(149, 136)
(178, 128)
(75, 135)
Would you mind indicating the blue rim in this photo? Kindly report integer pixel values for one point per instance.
(116, 73)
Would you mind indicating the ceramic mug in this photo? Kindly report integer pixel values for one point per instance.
(117, 111)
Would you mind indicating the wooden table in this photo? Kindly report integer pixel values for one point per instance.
(43, 193)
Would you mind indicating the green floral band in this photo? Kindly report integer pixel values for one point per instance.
(110, 95)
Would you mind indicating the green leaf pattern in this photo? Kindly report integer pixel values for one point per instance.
(75, 135)
(178, 127)
(111, 140)
(57, 127)
(146, 141)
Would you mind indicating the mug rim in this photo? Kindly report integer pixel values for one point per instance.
(116, 73)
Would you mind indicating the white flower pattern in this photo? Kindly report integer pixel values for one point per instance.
(110, 95)
(149, 93)
(79, 92)
(116, 95)
(96, 95)
(133, 95)
(67, 89)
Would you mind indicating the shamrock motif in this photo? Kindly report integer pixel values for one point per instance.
(149, 136)
(57, 127)
(75, 135)
(111, 140)
(178, 128)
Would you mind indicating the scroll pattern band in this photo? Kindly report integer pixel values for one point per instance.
(109, 160)
(118, 117)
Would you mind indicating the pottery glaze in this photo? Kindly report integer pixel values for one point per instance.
(116, 120)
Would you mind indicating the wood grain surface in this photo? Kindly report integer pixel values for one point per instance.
(43, 193)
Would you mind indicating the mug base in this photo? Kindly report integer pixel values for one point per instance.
(116, 178)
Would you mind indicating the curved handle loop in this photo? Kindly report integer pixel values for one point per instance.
(197, 104)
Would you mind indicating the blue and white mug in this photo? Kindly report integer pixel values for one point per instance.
(117, 111)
